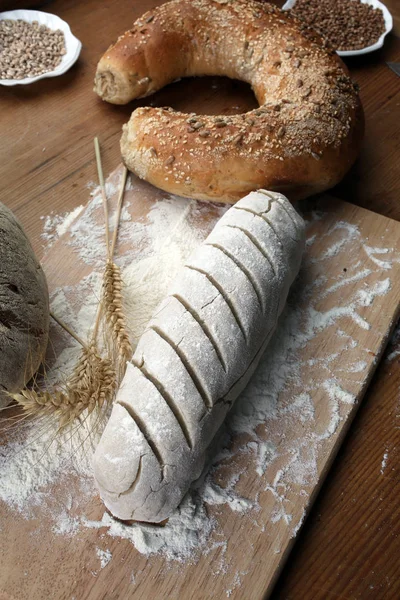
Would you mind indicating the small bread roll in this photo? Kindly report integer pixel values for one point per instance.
(195, 357)
(24, 308)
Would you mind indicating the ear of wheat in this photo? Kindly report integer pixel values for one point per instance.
(112, 296)
(93, 380)
(90, 387)
(93, 383)
(114, 313)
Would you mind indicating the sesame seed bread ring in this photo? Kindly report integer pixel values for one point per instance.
(303, 138)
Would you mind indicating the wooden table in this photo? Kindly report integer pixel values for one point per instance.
(350, 545)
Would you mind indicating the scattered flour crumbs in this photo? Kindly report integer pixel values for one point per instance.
(295, 373)
(384, 461)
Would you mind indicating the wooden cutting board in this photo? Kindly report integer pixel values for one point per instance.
(299, 406)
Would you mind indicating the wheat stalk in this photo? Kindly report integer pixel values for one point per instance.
(93, 382)
(112, 291)
(33, 401)
(103, 192)
(114, 313)
(91, 386)
(119, 209)
(68, 329)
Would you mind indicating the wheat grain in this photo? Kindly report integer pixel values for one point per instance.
(114, 313)
(91, 387)
(33, 401)
(94, 379)
(112, 294)
(57, 405)
(93, 382)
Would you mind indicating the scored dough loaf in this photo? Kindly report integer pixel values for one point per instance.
(195, 357)
(24, 308)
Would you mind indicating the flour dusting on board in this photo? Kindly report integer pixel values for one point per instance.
(384, 461)
(299, 380)
(105, 556)
(56, 225)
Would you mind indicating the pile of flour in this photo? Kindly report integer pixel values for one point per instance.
(281, 392)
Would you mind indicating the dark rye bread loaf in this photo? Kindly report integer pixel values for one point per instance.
(24, 308)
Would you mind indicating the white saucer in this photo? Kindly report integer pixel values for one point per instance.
(388, 27)
(72, 44)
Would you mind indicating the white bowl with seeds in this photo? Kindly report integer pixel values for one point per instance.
(34, 45)
(361, 20)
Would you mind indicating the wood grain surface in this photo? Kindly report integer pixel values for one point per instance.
(306, 392)
(350, 546)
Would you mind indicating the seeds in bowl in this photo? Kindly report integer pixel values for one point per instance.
(29, 49)
(347, 24)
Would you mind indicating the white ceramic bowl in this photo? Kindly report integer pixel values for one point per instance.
(388, 27)
(72, 44)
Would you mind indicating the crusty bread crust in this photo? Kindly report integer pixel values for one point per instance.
(303, 138)
(24, 308)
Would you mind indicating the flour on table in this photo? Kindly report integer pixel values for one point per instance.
(256, 440)
(35, 458)
(384, 461)
(266, 453)
(357, 367)
(56, 225)
(172, 241)
(66, 525)
(236, 583)
(105, 556)
(187, 530)
(373, 254)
